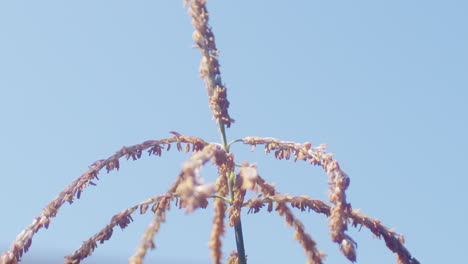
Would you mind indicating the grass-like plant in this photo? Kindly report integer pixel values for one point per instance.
(228, 192)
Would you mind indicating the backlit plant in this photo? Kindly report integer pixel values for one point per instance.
(189, 192)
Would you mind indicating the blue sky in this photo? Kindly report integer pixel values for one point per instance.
(382, 83)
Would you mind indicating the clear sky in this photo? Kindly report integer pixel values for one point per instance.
(382, 83)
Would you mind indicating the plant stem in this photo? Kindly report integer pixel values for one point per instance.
(232, 142)
(222, 198)
(231, 180)
(223, 135)
(240, 242)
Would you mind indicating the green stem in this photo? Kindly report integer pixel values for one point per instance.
(223, 135)
(231, 181)
(232, 142)
(222, 198)
(240, 242)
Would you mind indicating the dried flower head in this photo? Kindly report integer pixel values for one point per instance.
(209, 66)
(228, 192)
(338, 179)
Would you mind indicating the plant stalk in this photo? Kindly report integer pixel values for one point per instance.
(231, 180)
(240, 242)
(222, 129)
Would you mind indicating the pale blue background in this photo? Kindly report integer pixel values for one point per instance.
(383, 83)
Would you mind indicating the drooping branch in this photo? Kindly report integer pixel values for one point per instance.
(121, 219)
(147, 239)
(304, 238)
(190, 191)
(154, 147)
(393, 240)
(218, 228)
(338, 180)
